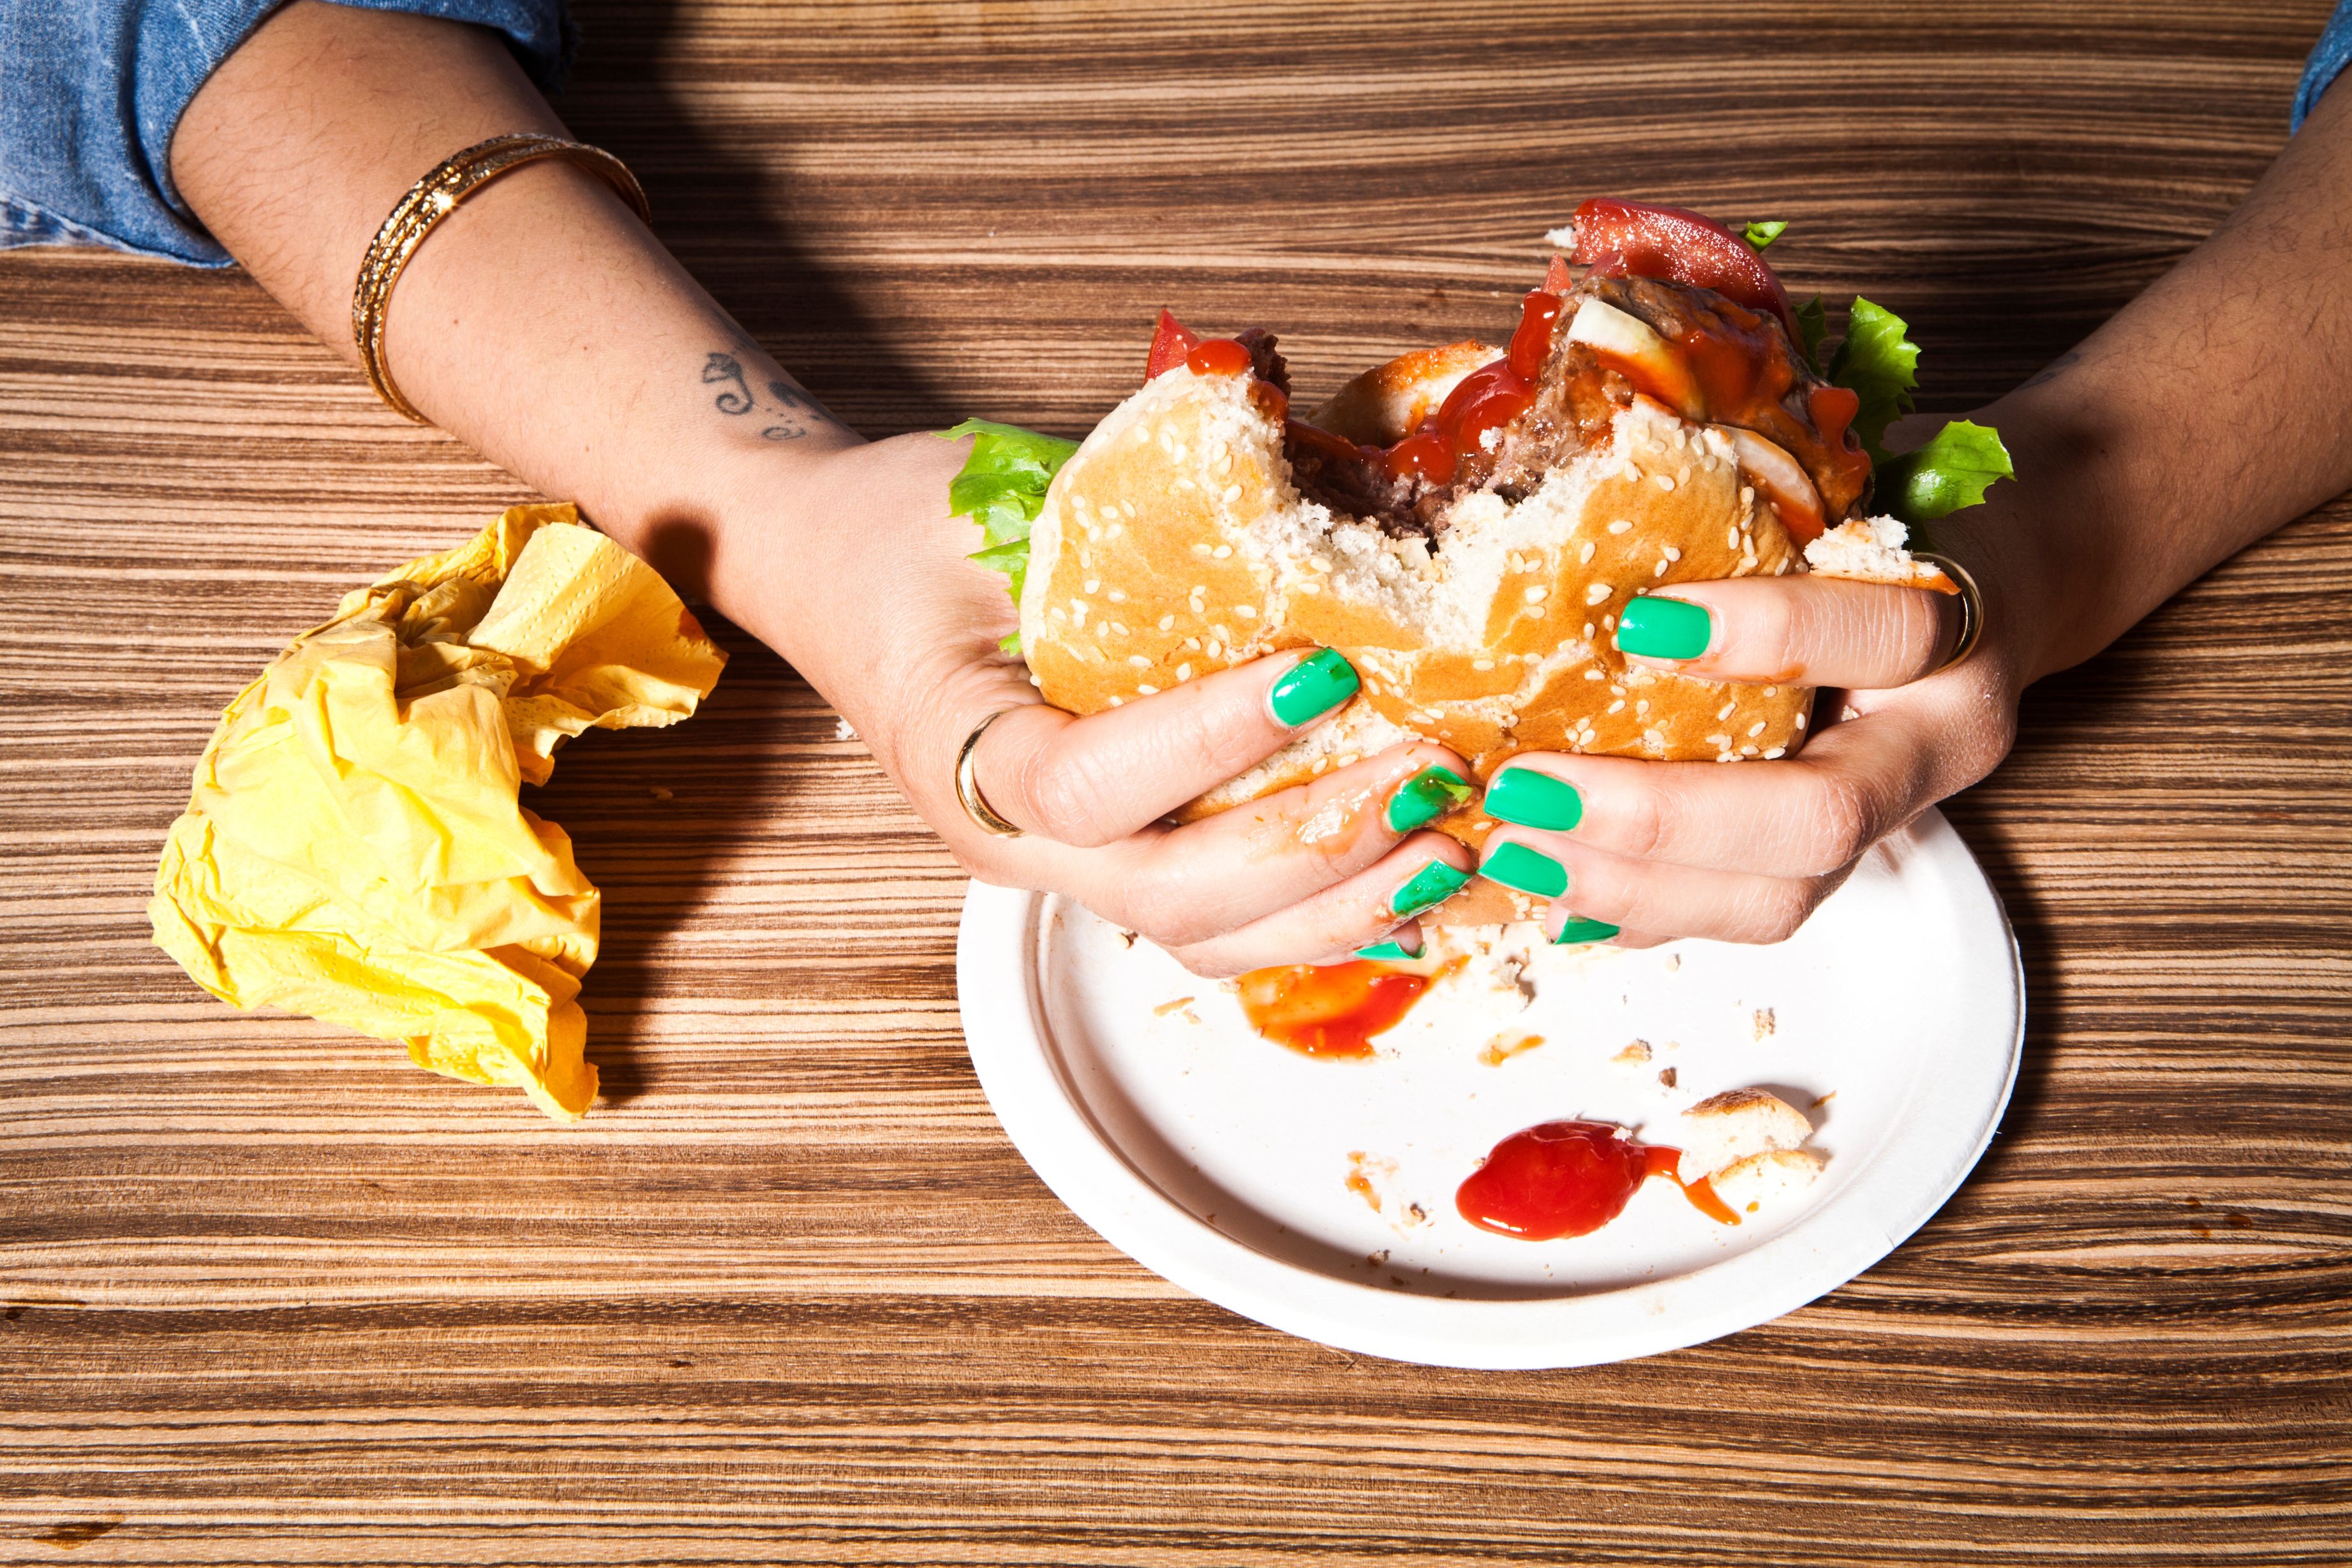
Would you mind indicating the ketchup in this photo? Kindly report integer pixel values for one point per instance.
(1569, 1178)
(1487, 398)
(1218, 357)
(1331, 1009)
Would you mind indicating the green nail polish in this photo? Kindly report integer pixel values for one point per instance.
(1425, 797)
(1659, 628)
(1312, 687)
(1529, 871)
(1534, 799)
(1432, 885)
(1384, 950)
(1580, 929)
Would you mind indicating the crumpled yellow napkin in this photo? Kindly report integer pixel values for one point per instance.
(354, 848)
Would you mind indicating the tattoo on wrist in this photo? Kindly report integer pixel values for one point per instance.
(788, 412)
(2050, 371)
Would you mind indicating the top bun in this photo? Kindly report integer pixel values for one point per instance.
(1178, 541)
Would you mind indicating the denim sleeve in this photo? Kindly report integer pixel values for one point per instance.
(2328, 62)
(96, 88)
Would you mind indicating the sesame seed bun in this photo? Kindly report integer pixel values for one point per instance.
(1174, 543)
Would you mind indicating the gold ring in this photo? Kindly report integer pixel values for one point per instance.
(1972, 610)
(975, 805)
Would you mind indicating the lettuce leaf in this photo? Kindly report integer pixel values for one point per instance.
(1002, 487)
(1879, 363)
(1764, 231)
(1953, 470)
(1812, 325)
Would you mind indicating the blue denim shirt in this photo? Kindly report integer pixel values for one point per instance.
(94, 90)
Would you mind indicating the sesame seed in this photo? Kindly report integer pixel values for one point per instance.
(1128, 507)
(1777, 751)
(1747, 494)
(1684, 475)
(1623, 525)
(1221, 551)
(1610, 620)
(1102, 630)
(1245, 612)
(1183, 673)
(1659, 569)
(1588, 631)
(1597, 592)
(1115, 530)
(1348, 758)
(1215, 648)
(1138, 660)
(1771, 691)
(1192, 643)
(1584, 554)
(1319, 562)
(1146, 691)
(1731, 537)
(1718, 740)
(1185, 483)
(1641, 707)
(1800, 721)
(1320, 763)
(1482, 664)
(1670, 552)
(1725, 711)
(1094, 585)
(1617, 706)
(1536, 593)
(1596, 674)
(1166, 622)
(1310, 586)
(1231, 494)
(1117, 596)
(1663, 481)
(1115, 702)
(1653, 737)
(1198, 548)
(1756, 729)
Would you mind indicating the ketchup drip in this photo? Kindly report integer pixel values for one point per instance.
(1331, 1009)
(1487, 398)
(1569, 1178)
(1218, 357)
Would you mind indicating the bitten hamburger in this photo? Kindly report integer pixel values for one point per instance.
(1466, 523)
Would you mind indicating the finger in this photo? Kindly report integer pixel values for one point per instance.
(1792, 630)
(1418, 874)
(1658, 901)
(1806, 816)
(1184, 885)
(1094, 780)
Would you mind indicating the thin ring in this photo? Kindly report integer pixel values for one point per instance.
(975, 805)
(1972, 610)
(434, 197)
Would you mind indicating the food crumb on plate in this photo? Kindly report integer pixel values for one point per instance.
(1765, 1024)
(1634, 1054)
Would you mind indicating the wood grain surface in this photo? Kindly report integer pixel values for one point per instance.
(269, 1295)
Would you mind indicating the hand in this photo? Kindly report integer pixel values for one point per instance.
(1745, 852)
(868, 595)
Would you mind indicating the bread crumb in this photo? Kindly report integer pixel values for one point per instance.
(840, 730)
(1764, 1023)
(1164, 1008)
(1634, 1054)
(1508, 1044)
(1668, 1076)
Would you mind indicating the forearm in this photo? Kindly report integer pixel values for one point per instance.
(540, 322)
(2209, 412)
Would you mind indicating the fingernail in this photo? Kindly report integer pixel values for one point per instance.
(1529, 871)
(1659, 628)
(1579, 929)
(1386, 950)
(1432, 885)
(1311, 688)
(1534, 799)
(1425, 797)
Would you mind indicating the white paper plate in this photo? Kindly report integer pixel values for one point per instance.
(1221, 1160)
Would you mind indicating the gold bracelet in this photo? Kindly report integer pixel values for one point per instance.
(434, 197)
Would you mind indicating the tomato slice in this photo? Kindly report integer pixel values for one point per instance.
(1556, 278)
(1169, 345)
(1619, 237)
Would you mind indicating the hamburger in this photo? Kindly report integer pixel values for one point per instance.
(1466, 523)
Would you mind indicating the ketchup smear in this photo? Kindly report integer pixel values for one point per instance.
(1331, 1009)
(1570, 1178)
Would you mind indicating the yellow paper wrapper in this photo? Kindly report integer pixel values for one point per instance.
(355, 848)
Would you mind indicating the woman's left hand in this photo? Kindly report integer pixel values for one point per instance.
(1745, 852)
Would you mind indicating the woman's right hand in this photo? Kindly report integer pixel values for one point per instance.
(864, 588)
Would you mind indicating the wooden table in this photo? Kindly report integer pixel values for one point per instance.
(788, 1295)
